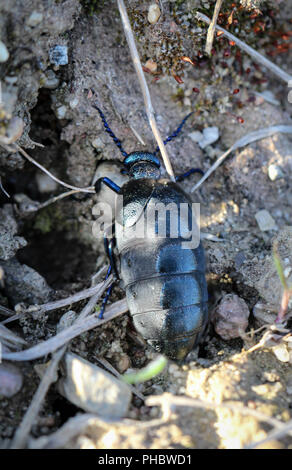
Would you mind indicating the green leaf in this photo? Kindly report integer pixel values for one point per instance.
(154, 368)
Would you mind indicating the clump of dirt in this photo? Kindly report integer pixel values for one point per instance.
(63, 57)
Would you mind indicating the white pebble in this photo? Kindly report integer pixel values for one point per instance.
(35, 18)
(196, 136)
(61, 112)
(73, 103)
(59, 55)
(51, 81)
(10, 380)
(210, 135)
(150, 65)
(275, 172)
(281, 352)
(93, 389)
(4, 54)
(153, 13)
(45, 183)
(265, 220)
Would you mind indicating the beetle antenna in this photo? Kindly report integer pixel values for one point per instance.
(175, 133)
(110, 132)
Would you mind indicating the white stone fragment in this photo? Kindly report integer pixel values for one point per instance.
(196, 136)
(275, 172)
(61, 112)
(4, 54)
(153, 13)
(265, 220)
(210, 135)
(34, 19)
(45, 183)
(93, 389)
(10, 380)
(281, 352)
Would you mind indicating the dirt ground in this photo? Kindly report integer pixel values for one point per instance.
(51, 253)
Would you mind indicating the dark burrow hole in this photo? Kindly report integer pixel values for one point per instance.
(63, 407)
(58, 259)
(46, 130)
(57, 255)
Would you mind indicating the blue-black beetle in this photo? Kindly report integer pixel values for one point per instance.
(165, 284)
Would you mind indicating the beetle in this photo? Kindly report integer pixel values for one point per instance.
(165, 283)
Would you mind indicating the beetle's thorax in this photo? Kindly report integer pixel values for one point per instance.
(144, 169)
(142, 165)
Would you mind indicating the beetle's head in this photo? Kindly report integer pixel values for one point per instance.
(142, 165)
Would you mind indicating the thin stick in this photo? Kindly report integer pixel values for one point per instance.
(257, 57)
(6, 311)
(22, 433)
(4, 190)
(168, 400)
(12, 340)
(84, 294)
(245, 140)
(57, 198)
(144, 87)
(211, 29)
(57, 341)
(89, 189)
(275, 434)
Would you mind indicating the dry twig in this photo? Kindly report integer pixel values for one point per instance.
(79, 327)
(257, 57)
(22, 433)
(275, 434)
(169, 402)
(245, 140)
(10, 339)
(211, 29)
(144, 87)
(50, 306)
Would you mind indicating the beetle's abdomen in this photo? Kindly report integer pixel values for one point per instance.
(166, 293)
(164, 280)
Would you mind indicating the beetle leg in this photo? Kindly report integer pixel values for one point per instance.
(109, 247)
(108, 292)
(188, 173)
(109, 183)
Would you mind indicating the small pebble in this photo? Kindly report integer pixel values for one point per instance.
(51, 81)
(35, 18)
(239, 259)
(262, 314)
(196, 136)
(275, 172)
(281, 352)
(93, 389)
(210, 135)
(153, 13)
(45, 183)
(10, 380)
(4, 54)
(73, 102)
(14, 129)
(265, 220)
(150, 65)
(58, 55)
(123, 363)
(61, 112)
(230, 318)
